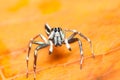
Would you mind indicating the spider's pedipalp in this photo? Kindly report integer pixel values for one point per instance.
(59, 41)
(51, 47)
(62, 35)
(55, 40)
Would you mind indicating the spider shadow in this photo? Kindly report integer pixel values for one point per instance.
(59, 55)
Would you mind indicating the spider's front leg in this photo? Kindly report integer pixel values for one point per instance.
(71, 39)
(67, 44)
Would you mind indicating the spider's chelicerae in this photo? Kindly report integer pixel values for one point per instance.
(56, 37)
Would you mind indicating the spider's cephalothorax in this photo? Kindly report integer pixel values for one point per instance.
(56, 36)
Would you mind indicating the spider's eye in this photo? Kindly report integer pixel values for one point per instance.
(58, 29)
(55, 29)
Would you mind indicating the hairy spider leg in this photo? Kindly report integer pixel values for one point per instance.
(43, 45)
(71, 39)
(66, 40)
(90, 42)
(30, 45)
(67, 44)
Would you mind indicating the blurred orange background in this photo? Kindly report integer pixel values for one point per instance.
(20, 20)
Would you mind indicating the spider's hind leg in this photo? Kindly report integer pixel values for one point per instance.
(83, 36)
(89, 41)
(32, 41)
(35, 56)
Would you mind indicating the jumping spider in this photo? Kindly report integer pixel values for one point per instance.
(56, 37)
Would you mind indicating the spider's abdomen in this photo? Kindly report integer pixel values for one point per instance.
(56, 36)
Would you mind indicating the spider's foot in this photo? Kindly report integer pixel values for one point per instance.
(80, 66)
(34, 78)
(27, 71)
(70, 49)
(50, 52)
(27, 75)
(93, 55)
(34, 75)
